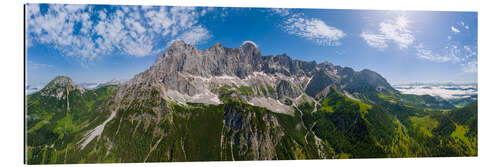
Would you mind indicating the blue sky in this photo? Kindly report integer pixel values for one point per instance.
(92, 43)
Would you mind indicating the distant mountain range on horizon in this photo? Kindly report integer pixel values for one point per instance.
(446, 90)
(33, 88)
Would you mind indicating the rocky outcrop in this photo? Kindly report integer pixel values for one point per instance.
(59, 86)
(186, 74)
(253, 136)
(319, 82)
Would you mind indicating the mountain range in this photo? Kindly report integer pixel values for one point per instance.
(226, 104)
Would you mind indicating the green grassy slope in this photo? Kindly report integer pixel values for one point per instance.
(51, 127)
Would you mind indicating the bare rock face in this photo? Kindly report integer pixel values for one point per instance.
(252, 140)
(319, 82)
(185, 74)
(218, 61)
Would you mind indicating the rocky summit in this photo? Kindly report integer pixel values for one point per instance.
(185, 74)
(59, 87)
(227, 104)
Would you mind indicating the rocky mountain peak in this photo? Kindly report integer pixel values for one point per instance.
(327, 65)
(185, 73)
(216, 48)
(214, 61)
(61, 81)
(59, 85)
(178, 43)
(217, 45)
(375, 79)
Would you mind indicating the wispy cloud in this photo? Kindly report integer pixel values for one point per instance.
(310, 28)
(394, 30)
(469, 58)
(375, 40)
(427, 54)
(281, 11)
(463, 25)
(33, 65)
(195, 35)
(455, 30)
(399, 32)
(128, 30)
(467, 54)
(459, 27)
(463, 56)
(470, 67)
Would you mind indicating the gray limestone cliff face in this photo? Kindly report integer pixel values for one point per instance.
(218, 60)
(319, 82)
(185, 73)
(214, 61)
(252, 140)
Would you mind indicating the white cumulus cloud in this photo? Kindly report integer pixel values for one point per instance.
(375, 40)
(395, 30)
(33, 65)
(195, 35)
(128, 30)
(312, 29)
